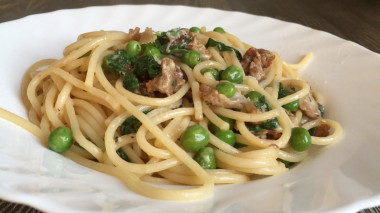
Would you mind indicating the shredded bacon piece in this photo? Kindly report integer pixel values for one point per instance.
(168, 81)
(238, 101)
(196, 45)
(255, 60)
(309, 106)
(322, 130)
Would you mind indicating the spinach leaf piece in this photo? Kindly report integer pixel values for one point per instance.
(130, 82)
(130, 125)
(122, 154)
(147, 67)
(281, 91)
(222, 47)
(117, 63)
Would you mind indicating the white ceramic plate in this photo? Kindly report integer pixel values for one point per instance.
(344, 177)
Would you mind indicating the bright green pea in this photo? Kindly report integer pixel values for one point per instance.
(230, 121)
(153, 51)
(205, 157)
(233, 74)
(133, 48)
(195, 30)
(214, 72)
(227, 136)
(253, 96)
(194, 138)
(219, 30)
(226, 88)
(191, 58)
(60, 139)
(300, 139)
(292, 106)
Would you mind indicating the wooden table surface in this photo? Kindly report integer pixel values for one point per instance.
(355, 20)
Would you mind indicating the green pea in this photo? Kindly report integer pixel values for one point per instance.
(60, 139)
(212, 71)
(230, 121)
(194, 138)
(253, 96)
(233, 74)
(219, 30)
(226, 88)
(191, 58)
(133, 48)
(292, 106)
(205, 157)
(300, 139)
(227, 136)
(153, 51)
(195, 30)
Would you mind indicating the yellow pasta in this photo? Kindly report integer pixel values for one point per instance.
(131, 102)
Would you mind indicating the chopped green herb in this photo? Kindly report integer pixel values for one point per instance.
(263, 104)
(122, 154)
(147, 67)
(282, 92)
(130, 125)
(321, 109)
(130, 82)
(291, 106)
(86, 54)
(254, 128)
(222, 47)
(312, 131)
(239, 145)
(287, 163)
(117, 63)
(270, 124)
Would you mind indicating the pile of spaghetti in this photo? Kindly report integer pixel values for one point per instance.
(186, 106)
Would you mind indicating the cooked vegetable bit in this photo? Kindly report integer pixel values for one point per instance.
(60, 139)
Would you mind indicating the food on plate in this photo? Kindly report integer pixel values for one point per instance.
(184, 106)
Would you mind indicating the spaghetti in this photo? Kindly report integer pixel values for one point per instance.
(129, 99)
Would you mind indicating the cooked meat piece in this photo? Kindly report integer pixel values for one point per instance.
(322, 130)
(266, 58)
(255, 60)
(238, 101)
(309, 107)
(184, 35)
(168, 81)
(269, 134)
(196, 45)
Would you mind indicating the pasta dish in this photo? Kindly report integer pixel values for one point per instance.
(185, 107)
